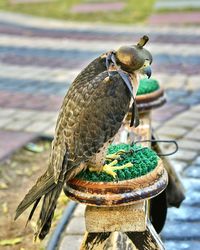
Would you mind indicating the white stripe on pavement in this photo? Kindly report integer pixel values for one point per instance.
(93, 46)
(28, 120)
(37, 73)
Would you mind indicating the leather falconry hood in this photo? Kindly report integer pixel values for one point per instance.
(132, 58)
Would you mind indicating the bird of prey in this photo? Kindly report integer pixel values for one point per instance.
(90, 116)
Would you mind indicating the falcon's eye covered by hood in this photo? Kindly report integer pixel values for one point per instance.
(132, 58)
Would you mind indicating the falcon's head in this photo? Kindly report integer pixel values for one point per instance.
(135, 59)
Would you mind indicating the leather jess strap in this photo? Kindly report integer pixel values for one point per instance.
(111, 60)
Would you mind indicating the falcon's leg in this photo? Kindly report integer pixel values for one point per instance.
(93, 169)
(115, 156)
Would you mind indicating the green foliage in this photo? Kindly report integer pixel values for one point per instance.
(135, 11)
(144, 160)
(147, 86)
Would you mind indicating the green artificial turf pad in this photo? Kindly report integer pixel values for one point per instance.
(147, 86)
(144, 160)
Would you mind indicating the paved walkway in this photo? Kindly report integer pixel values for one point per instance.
(176, 12)
(176, 4)
(38, 60)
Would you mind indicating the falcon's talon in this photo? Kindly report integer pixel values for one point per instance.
(110, 168)
(127, 165)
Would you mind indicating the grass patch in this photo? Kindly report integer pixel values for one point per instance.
(135, 11)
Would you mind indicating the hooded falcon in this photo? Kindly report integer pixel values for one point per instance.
(91, 114)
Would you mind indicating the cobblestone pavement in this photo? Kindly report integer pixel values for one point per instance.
(38, 60)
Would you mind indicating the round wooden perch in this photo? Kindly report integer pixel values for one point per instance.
(118, 193)
(149, 95)
(151, 100)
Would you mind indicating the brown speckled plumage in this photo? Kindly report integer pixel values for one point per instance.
(91, 114)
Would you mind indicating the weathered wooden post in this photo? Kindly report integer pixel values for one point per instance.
(116, 214)
(151, 96)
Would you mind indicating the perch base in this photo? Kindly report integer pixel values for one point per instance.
(147, 239)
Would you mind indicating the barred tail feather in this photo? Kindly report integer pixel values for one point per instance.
(46, 187)
(43, 185)
(33, 210)
(47, 211)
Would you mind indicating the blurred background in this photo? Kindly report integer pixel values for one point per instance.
(44, 44)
